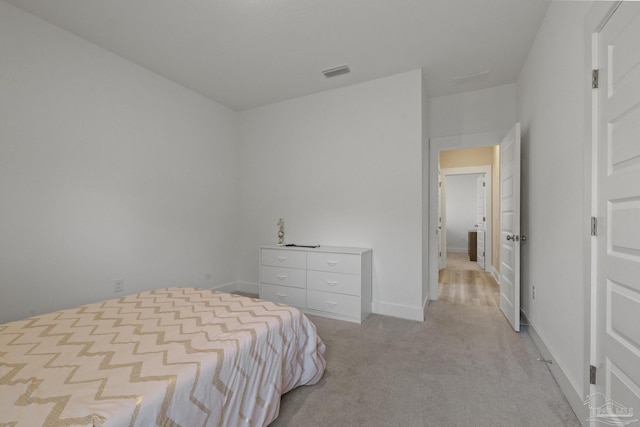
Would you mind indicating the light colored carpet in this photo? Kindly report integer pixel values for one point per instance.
(464, 366)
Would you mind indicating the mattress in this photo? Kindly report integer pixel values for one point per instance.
(170, 357)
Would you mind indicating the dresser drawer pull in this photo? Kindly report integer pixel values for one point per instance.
(332, 263)
(332, 304)
(331, 283)
(281, 276)
(282, 258)
(281, 296)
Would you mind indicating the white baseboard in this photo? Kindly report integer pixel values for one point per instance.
(384, 308)
(252, 288)
(574, 397)
(495, 274)
(398, 310)
(230, 287)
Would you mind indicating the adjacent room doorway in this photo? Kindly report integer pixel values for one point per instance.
(466, 218)
(465, 208)
(505, 254)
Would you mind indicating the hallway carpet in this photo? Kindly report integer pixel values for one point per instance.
(464, 366)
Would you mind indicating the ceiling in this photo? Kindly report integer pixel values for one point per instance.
(248, 53)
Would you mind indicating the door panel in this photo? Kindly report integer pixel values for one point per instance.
(510, 227)
(617, 315)
(442, 241)
(480, 220)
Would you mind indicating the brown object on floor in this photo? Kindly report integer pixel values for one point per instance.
(473, 245)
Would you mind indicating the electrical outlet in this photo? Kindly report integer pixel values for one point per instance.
(534, 292)
(118, 285)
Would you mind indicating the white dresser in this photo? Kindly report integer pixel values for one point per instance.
(327, 281)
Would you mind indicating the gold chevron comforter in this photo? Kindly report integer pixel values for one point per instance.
(170, 357)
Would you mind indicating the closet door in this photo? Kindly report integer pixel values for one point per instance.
(617, 320)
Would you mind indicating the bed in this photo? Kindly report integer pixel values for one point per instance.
(170, 357)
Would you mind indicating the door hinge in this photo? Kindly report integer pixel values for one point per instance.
(594, 79)
(484, 218)
(484, 184)
(594, 226)
(440, 184)
(592, 375)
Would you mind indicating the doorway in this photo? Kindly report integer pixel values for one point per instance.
(466, 228)
(466, 196)
(463, 224)
(446, 144)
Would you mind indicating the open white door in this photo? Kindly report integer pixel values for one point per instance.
(510, 226)
(480, 220)
(617, 284)
(442, 241)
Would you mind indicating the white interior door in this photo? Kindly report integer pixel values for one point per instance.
(442, 242)
(442, 195)
(617, 284)
(510, 227)
(480, 220)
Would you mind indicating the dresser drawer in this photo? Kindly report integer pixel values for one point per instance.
(283, 276)
(334, 282)
(346, 305)
(280, 258)
(339, 263)
(294, 297)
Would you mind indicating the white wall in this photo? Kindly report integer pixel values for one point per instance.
(461, 209)
(551, 107)
(106, 171)
(426, 145)
(343, 168)
(473, 112)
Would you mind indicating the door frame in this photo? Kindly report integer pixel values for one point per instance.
(441, 144)
(474, 170)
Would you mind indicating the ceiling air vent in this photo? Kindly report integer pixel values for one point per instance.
(468, 79)
(336, 71)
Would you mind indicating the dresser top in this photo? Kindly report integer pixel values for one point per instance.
(332, 249)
